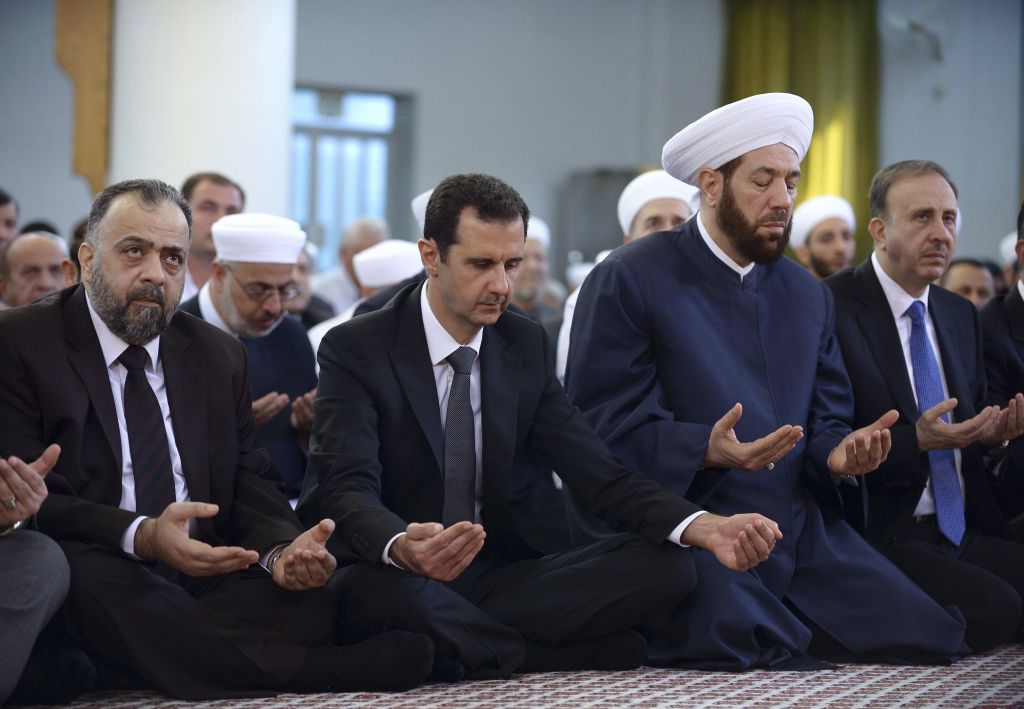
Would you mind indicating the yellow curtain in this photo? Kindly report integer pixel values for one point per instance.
(827, 52)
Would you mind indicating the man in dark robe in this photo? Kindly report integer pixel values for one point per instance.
(679, 328)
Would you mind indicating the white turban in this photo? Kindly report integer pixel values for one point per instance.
(656, 184)
(257, 238)
(539, 231)
(387, 263)
(419, 208)
(816, 210)
(1008, 248)
(736, 129)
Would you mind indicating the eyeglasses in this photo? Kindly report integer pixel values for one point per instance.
(261, 292)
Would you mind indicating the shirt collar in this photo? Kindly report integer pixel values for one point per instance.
(440, 343)
(209, 312)
(717, 250)
(899, 299)
(1020, 288)
(113, 346)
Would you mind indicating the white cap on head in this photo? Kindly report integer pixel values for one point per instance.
(419, 207)
(1008, 248)
(656, 184)
(539, 231)
(816, 210)
(252, 237)
(387, 263)
(737, 128)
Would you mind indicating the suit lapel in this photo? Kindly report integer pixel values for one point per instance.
(956, 380)
(1015, 312)
(414, 370)
(879, 329)
(500, 366)
(182, 370)
(86, 358)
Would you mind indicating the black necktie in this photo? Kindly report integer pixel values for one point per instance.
(459, 443)
(147, 438)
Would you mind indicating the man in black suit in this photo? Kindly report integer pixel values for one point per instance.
(1002, 324)
(187, 566)
(916, 348)
(415, 451)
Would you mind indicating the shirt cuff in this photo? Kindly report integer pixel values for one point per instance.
(676, 535)
(128, 538)
(266, 556)
(386, 557)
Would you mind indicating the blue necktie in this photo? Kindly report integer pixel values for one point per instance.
(949, 505)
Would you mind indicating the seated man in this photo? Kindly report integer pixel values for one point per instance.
(251, 281)
(917, 349)
(1002, 322)
(187, 564)
(703, 356)
(426, 415)
(32, 588)
(823, 235)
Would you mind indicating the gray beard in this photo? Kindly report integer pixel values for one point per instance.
(136, 329)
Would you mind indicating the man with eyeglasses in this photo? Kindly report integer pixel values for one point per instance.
(251, 282)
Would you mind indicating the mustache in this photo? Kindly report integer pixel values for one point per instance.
(154, 293)
(776, 216)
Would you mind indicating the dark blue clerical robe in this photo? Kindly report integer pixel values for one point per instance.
(666, 338)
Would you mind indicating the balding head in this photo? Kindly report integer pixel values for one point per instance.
(360, 234)
(33, 266)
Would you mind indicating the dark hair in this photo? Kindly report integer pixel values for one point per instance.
(39, 226)
(729, 168)
(1020, 222)
(888, 176)
(216, 178)
(976, 263)
(151, 193)
(493, 200)
(6, 198)
(77, 239)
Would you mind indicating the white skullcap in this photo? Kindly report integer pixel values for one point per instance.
(737, 128)
(539, 231)
(656, 184)
(312, 250)
(1008, 248)
(387, 263)
(252, 237)
(419, 208)
(601, 256)
(816, 210)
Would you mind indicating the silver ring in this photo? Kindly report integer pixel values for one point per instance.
(10, 503)
(770, 466)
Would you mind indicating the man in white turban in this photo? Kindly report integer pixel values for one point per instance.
(653, 201)
(705, 359)
(822, 236)
(251, 281)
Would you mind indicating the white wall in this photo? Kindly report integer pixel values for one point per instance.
(530, 90)
(963, 110)
(36, 119)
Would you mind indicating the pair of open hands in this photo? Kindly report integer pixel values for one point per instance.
(305, 563)
(300, 417)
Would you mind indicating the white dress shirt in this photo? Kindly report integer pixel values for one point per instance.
(209, 312)
(113, 347)
(899, 302)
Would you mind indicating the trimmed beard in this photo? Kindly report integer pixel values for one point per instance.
(115, 312)
(234, 319)
(743, 234)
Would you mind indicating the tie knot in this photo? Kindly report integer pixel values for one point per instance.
(462, 359)
(916, 312)
(134, 358)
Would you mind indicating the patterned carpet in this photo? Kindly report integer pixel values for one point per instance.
(995, 679)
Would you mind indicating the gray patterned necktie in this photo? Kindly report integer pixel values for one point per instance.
(459, 443)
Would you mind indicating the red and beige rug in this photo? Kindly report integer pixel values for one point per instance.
(995, 679)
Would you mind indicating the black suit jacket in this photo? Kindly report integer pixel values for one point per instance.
(54, 389)
(874, 359)
(1002, 324)
(377, 459)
